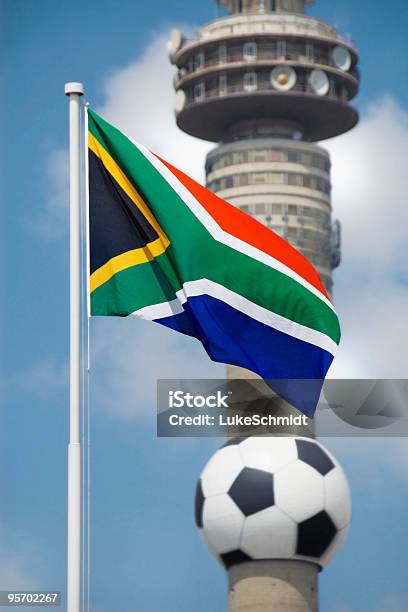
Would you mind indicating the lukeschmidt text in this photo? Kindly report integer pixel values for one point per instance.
(236, 420)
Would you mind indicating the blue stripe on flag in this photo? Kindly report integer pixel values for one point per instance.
(232, 337)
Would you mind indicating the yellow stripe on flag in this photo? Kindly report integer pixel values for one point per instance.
(124, 261)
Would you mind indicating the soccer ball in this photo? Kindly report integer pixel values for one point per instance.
(273, 498)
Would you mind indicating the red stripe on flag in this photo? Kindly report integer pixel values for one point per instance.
(246, 228)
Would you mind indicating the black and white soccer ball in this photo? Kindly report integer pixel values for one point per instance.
(273, 498)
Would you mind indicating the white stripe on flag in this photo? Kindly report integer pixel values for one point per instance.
(271, 319)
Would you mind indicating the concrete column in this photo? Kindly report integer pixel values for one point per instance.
(273, 586)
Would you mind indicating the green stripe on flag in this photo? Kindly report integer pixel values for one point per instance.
(133, 288)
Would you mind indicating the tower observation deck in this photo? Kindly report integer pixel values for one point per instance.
(266, 82)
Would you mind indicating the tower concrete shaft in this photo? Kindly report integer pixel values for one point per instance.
(273, 586)
(266, 82)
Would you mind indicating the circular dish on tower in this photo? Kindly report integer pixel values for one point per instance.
(283, 78)
(341, 58)
(174, 43)
(319, 82)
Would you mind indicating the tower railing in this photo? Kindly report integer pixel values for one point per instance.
(289, 24)
(239, 89)
(317, 60)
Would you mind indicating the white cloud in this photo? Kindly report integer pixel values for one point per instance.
(22, 562)
(128, 358)
(24, 569)
(390, 603)
(393, 603)
(140, 100)
(375, 333)
(342, 608)
(15, 575)
(370, 184)
(363, 456)
(44, 378)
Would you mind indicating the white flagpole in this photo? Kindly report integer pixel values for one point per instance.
(74, 91)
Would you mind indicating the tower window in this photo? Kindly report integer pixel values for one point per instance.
(260, 178)
(296, 179)
(277, 178)
(222, 51)
(277, 156)
(223, 84)
(250, 81)
(293, 157)
(281, 48)
(260, 156)
(259, 209)
(250, 51)
(199, 61)
(238, 158)
(306, 159)
(199, 91)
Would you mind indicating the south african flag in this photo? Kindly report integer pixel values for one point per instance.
(166, 249)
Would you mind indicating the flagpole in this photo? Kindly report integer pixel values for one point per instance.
(74, 91)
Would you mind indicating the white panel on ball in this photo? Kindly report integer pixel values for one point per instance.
(268, 454)
(299, 491)
(269, 534)
(223, 523)
(221, 471)
(338, 498)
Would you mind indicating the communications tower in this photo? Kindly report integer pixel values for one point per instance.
(266, 83)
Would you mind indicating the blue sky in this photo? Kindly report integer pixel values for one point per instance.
(146, 553)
